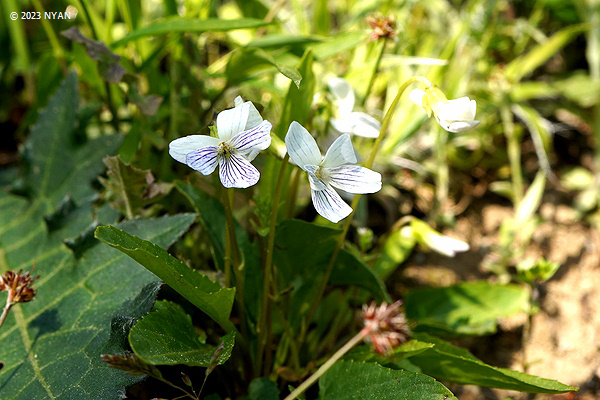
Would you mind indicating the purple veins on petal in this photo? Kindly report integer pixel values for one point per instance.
(235, 171)
(258, 137)
(329, 204)
(355, 179)
(204, 160)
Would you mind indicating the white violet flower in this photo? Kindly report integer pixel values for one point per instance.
(337, 169)
(242, 133)
(346, 120)
(453, 115)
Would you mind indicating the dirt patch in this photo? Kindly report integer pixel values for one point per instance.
(565, 335)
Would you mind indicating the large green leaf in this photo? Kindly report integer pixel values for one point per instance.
(166, 336)
(51, 346)
(447, 362)
(465, 308)
(205, 294)
(182, 25)
(56, 164)
(348, 380)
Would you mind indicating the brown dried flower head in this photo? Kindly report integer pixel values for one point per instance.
(19, 286)
(387, 326)
(383, 27)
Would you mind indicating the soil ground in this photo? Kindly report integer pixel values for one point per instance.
(565, 336)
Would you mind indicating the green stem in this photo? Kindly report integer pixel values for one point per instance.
(232, 249)
(290, 200)
(374, 73)
(263, 323)
(442, 173)
(338, 354)
(384, 127)
(5, 311)
(514, 154)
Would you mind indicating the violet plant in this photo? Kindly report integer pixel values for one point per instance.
(267, 282)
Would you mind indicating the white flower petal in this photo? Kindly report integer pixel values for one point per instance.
(340, 152)
(315, 183)
(343, 95)
(458, 126)
(257, 138)
(301, 146)
(364, 125)
(456, 115)
(354, 179)
(416, 96)
(461, 109)
(341, 125)
(233, 121)
(235, 171)
(204, 160)
(445, 245)
(329, 204)
(254, 117)
(179, 148)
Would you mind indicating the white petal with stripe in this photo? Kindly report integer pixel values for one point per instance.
(237, 172)
(354, 179)
(179, 148)
(233, 121)
(340, 152)
(329, 204)
(204, 160)
(301, 146)
(257, 138)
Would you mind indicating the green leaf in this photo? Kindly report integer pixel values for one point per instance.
(348, 380)
(366, 353)
(396, 250)
(166, 336)
(341, 43)
(316, 244)
(531, 200)
(281, 40)
(126, 317)
(63, 331)
(56, 164)
(130, 188)
(263, 389)
(451, 363)
(205, 294)
(245, 62)
(525, 64)
(183, 25)
(541, 134)
(580, 88)
(298, 100)
(466, 308)
(577, 178)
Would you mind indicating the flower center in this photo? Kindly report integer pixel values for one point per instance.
(223, 150)
(321, 173)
